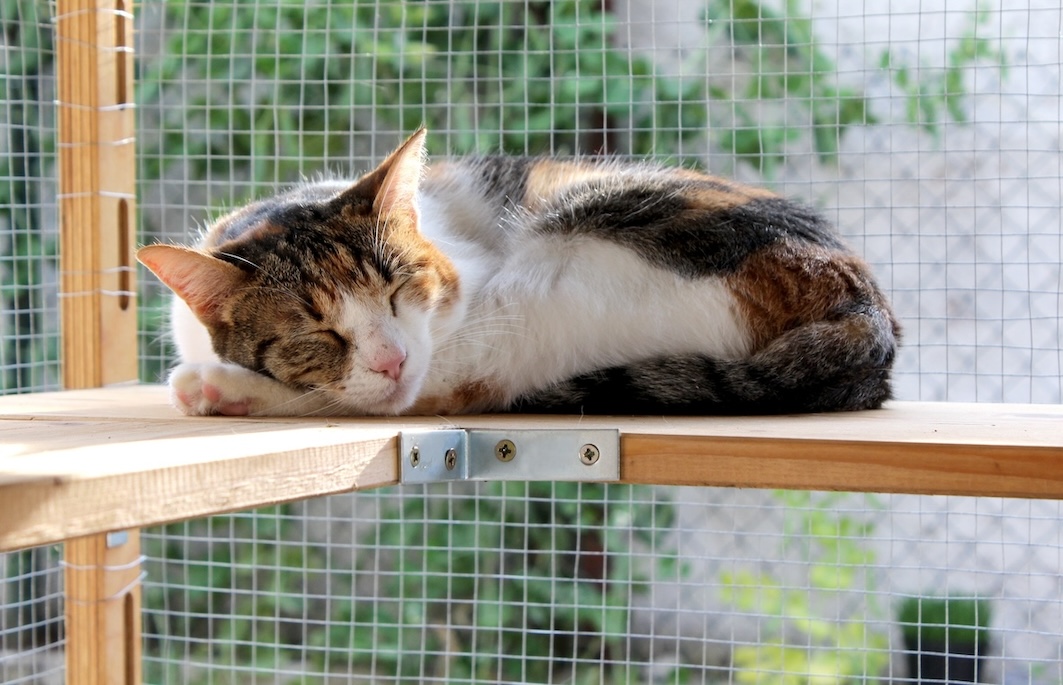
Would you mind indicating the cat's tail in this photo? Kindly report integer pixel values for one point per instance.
(839, 364)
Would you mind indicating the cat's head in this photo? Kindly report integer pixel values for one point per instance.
(330, 288)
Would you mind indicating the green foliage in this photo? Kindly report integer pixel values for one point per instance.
(249, 90)
(945, 620)
(261, 86)
(29, 355)
(798, 646)
(935, 96)
(266, 88)
(787, 66)
(247, 596)
(263, 93)
(481, 582)
(155, 351)
(529, 598)
(517, 77)
(30, 610)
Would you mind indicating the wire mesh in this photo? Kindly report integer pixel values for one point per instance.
(31, 634)
(625, 584)
(28, 236)
(31, 625)
(931, 136)
(930, 133)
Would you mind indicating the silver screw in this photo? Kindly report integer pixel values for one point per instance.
(589, 454)
(415, 456)
(451, 459)
(505, 450)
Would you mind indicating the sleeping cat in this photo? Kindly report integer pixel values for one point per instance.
(523, 284)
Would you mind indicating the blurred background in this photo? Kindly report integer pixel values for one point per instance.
(929, 132)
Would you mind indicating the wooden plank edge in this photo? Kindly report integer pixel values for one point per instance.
(1034, 472)
(39, 513)
(53, 509)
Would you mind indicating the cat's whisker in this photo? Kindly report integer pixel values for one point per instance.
(328, 406)
(401, 255)
(487, 333)
(241, 259)
(288, 292)
(485, 341)
(335, 407)
(482, 332)
(379, 243)
(441, 354)
(477, 326)
(696, 288)
(382, 221)
(389, 255)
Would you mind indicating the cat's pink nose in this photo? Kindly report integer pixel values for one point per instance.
(389, 362)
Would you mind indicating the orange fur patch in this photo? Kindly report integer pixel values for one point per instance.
(784, 286)
(722, 194)
(470, 397)
(549, 178)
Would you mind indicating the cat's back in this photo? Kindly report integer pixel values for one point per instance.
(679, 219)
(739, 257)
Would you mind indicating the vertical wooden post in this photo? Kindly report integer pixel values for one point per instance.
(97, 191)
(103, 609)
(97, 197)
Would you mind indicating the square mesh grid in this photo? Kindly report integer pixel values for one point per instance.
(30, 581)
(930, 134)
(555, 582)
(31, 617)
(29, 358)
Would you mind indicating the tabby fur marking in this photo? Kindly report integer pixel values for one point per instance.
(491, 284)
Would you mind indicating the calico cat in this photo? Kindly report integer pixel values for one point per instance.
(493, 284)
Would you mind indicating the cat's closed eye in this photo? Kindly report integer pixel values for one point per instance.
(396, 292)
(626, 288)
(335, 337)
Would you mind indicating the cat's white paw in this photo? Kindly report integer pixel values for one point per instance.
(210, 389)
(213, 389)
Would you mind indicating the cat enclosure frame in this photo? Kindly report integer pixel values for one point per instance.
(92, 464)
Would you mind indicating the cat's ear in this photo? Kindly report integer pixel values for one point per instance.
(393, 184)
(202, 281)
(405, 167)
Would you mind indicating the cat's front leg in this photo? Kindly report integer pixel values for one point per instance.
(216, 388)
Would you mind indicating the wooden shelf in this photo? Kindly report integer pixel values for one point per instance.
(82, 462)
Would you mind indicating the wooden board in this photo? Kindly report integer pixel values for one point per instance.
(96, 121)
(85, 461)
(96, 130)
(78, 462)
(101, 584)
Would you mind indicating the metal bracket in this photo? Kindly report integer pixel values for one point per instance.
(480, 454)
(434, 456)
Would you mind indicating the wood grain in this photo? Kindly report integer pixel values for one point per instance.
(97, 191)
(103, 616)
(96, 476)
(98, 314)
(78, 462)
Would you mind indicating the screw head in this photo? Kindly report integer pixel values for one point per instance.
(589, 454)
(450, 459)
(505, 450)
(415, 456)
